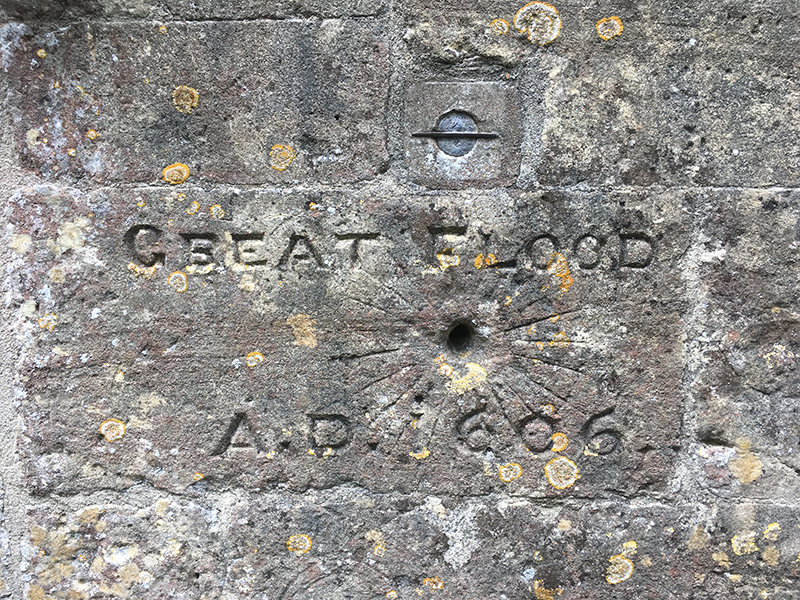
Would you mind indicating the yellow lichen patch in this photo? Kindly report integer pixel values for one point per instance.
(175, 173)
(216, 211)
(424, 453)
(433, 583)
(746, 467)
(48, 321)
(509, 472)
(20, 243)
(548, 409)
(698, 539)
(178, 281)
(72, 152)
(280, 157)
(778, 356)
(744, 543)
(499, 27)
(253, 359)
(198, 476)
(184, 98)
(41, 53)
(558, 268)
(171, 549)
(560, 340)
(145, 272)
(298, 543)
(92, 134)
(771, 556)
(193, 208)
(620, 569)
(141, 203)
(543, 593)
(447, 259)
(379, 549)
(772, 531)
(303, 329)
(629, 548)
(482, 261)
(112, 429)
(445, 369)
(560, 442)
(561, 472)
(609, 27)
(540, 21)
(162, 29)
(475, 377)
(391, 594)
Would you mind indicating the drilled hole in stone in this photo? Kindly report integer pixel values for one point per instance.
(460, 338)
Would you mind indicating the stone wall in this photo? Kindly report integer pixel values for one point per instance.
(370, 299)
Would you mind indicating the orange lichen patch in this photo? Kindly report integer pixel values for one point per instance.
(141, 203)
(542, 593)
(391, 594)
(746, 467)
(92, 134)
(280, 157)
(609, 27)
(41, 53)
(379, 549)
(162, 29)
(298, 543)
(112, 429)
(540, 21)
(72, 152)
(175, 173)
(424, 453)
(561, 472)
(482, 261)
(303, 329)
(771, 556)
(445, 369)
(475, 377)
(560, 442)
(48, 321)
(184, 98)
(198, 476)
(447, 259)
(509, 472)
(439, 359)
(193, 208)
(145, 272)
(178, 281)
(558, 268)
(433, 583)
(254, 358)
(217, 212)
(744, 543)
(620, 569)
(772, 531)
(499, 27)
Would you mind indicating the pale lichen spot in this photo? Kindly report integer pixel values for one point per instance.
(475, 377)
(178, 281)
(609, 28)
(119, 377)
(564, 525)
(144, 272)
(433, 583)
(771, 556)
(280, 157)
(20, 243)
(298, 543)
(561, 472)
(772, 531)
(185, 98)
(543, 593)
(193, 208)
(171, 549)
(746, 467)
(509, 472)
(253, 359)
(422, 454)
(92, 134)
(722, 559)
(216, 211)
(48, 321)
(112, 430)
(744, 543)
(56, 275)
(175, 173)
(540, 21)
(629, 548)
(303, 329)
(499, 26)
(698, 539)
(620, 569)
(560, 442)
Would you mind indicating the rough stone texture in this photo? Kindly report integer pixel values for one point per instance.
(349, 365)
